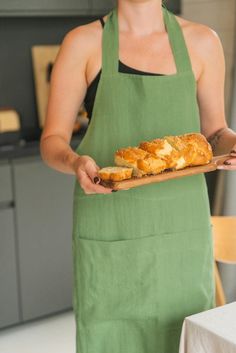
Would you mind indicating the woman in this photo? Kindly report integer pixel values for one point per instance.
(143, 257)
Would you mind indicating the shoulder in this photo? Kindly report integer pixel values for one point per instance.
(83, 38)
(204, 40)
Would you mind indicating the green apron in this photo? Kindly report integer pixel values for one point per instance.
(142, 257)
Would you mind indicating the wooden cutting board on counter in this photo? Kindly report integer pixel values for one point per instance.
(166, 175)
(43, 57)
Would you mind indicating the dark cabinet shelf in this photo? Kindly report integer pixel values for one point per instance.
(44, 7)
(16, 8)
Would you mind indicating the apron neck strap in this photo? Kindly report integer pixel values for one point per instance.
(110, 43)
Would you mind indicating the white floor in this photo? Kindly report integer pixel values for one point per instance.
(55, 334)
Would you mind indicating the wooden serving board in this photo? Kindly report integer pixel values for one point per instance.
(166, 175)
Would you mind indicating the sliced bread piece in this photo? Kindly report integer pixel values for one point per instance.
(115, 173)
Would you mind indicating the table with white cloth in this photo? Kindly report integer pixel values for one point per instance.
(210, 331)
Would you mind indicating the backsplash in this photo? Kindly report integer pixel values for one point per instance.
(17, 36)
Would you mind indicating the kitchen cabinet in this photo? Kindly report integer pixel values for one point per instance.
(64, 8)
(102, 7)
(5, 182)
(44, 7)
(55, 7)
(43, 200)
(9, 308)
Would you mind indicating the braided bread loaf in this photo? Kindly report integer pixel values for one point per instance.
(160, 154)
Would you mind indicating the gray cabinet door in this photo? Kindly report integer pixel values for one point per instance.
(9, 309)
(44, 224)
(44, 7)
(5, 183)
(102, 7)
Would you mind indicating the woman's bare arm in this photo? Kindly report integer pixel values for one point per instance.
(210, 92)
(67, 91)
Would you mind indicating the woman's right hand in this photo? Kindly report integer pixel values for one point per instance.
(86, 171)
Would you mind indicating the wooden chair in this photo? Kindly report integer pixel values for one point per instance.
(224, 237)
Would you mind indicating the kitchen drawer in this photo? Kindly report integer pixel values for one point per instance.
(5, 183)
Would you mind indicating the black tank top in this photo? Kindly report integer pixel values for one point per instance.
(92, 88)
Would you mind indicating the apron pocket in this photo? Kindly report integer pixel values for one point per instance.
(161, 277)
(118, 279)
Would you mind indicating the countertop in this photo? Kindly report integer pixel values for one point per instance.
(31, 148)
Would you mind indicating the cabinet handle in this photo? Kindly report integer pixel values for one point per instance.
(7, 204)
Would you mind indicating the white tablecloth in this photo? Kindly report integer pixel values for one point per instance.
(210, 331)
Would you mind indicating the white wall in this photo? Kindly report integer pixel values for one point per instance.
(220, 15)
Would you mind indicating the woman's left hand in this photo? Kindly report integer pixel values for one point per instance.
(230, 163)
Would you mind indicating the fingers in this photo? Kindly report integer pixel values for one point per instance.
(89, 178)
(92, 171)
(230, 161)
(233, 151)
(229, 164)
(228, 167)
(90, 187)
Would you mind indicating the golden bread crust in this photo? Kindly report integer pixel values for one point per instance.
(130, 154)
(182, 149)
(128, 157)
(201, 149)
(158, 146)
(151, 164)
